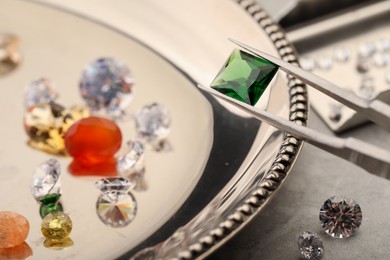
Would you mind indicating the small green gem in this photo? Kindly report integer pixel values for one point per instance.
(49, 208)
(244, 77)
(50, 198)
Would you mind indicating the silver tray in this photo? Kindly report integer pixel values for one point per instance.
(224, 166)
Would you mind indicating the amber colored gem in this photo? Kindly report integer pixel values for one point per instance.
(14, 229)
(93, 142)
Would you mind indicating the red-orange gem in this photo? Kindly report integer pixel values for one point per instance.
(93, 142)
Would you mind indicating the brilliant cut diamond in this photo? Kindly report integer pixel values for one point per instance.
(45, 179)
(40, 91)
(117, 184)
(244, 77)
(107, 84)
(340, 217)
(116, 209)
(310, 245)
(153, 123)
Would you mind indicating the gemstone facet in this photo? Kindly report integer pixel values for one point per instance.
(244, 77)
(40, 91)
(107, 185)
(56, 226)
(310, 245)
(133, 161)
(153, 123)
(46, 124)
(107, 84)
(14, 229)
(340, 217)
(45, 179)
(116, 209)
(93, 142)
(50, 203)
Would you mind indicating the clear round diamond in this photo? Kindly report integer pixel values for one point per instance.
(383, 45)
(325, 62)
(310, 245)
(366, 49)
(117, 184)
(116, 209)
(45, 179)
(380, 59)
(107, 84)
(307, 63)
(367, 88)
(40, 91)
(342, 54)
(153, 122)
(133, 161)
(340, 217)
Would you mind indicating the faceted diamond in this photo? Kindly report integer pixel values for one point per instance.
(45, 179)
(340, 217)
(107, 84)
(307, 63)
(366, 49)
(380, 59)
(310, 245)
(133, 161)
(116, 209)
(117, 184)
(39, 91)
(383, 45)
(367, 88)
(56, 226)
(325, 62)
(9, 53)
(153, 122)
(342, 54)
(14, 229)
(46, 124)
(244, 77)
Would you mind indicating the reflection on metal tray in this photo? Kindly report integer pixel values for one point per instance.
(352, 50)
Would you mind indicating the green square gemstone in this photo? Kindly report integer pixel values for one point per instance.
(244, 77)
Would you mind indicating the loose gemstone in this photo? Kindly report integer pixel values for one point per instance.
(380, 59)
(50, 198)
(366, 49)
(45, 209)
(46, 124)
(93, 142)
(107, 84)
(153, 123)
(133, 161)
(244, 77)
(310, 245)
(383, 45)
(45, 179)
(40, 91)
(340, 217)
(342, 54)
(325, 62)
(14, 229)
(57, 245)
(367, 88)
(117, 184)
(116, 208)
(307, 63)
(9, 53)
(56, 226)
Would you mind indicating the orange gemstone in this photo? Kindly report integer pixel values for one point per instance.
(14, 229)
(21, 251)
(93, 142)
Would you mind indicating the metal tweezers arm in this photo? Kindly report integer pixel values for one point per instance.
(374, 110)
(371, 158)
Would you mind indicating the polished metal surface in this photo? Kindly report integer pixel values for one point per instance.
(236, 166)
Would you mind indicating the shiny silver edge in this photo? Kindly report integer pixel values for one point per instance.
(285, 158)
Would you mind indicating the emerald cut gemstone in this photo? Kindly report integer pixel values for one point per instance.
(244, 77)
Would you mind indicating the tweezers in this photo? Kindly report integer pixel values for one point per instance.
(369, 157)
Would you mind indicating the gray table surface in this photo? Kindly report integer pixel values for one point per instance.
(316, 176)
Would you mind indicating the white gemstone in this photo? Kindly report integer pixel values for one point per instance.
(307, 63)
(325, 62)
(310, 245)
(107, 84)
(40, 91)
(342, 54)
(380, 59)
(45, 179)
(117, 184)
(153, 122)
(133, 161)
(116, 209)
(366, 49)
(383, 45)
(367, 88)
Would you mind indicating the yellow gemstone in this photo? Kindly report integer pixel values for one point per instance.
(56, 226)
(46, 124)
(54, 244)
